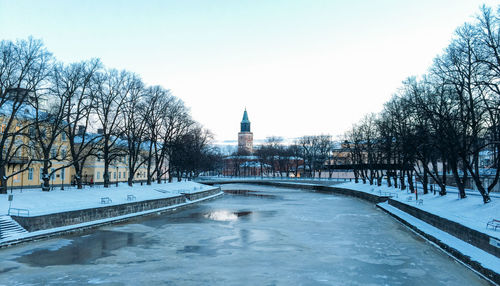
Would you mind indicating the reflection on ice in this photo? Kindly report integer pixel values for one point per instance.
(225, 215)
(221, 215)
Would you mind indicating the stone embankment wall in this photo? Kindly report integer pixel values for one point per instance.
(34, 223)
(318, 188)
(471, 236)
(200, 195)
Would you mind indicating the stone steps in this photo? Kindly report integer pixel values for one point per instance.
(10, 228)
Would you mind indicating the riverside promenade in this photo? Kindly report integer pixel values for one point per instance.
(458, 227)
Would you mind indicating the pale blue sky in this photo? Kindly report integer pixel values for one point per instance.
(299, 66)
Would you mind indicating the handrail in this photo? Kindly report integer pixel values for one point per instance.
(20, 211)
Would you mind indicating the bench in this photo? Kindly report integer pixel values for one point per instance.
(131, 198)
(420, 202)
(388, 194)
(106, 200)
(409, 198)
(494, 224)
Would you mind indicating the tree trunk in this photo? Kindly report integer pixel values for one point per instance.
(78, 175)
(458, 180)
(389, 184)
(410, 181)
(395, 179)
(479, 185)
(402, 179)
(45, 177)
(169, 171)
(78, 178)
(3, 180)
(106, 174)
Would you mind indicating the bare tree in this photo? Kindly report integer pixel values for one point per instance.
(75, 82)
(24, 67)
(175, 122)
(158, 102)
(134, 127)
(111, 92)
(50, 128)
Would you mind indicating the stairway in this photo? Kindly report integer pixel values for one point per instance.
(9, 228)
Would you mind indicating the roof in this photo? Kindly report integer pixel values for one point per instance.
(245, 117)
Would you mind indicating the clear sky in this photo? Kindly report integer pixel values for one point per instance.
(300, 67)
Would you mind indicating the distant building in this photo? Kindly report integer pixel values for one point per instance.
(245, 136)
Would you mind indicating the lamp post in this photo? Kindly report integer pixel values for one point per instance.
(62, 179)
(22, 180)
(116, 175)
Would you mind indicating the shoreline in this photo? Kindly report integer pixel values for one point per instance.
(485, 264)
(79, 227)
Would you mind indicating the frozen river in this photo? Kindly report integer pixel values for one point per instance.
(281, 237)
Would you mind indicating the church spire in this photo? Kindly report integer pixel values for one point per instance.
(245, 123)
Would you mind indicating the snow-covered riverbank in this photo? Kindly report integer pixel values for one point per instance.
(38, 202)
(470, 212)
(71, 210)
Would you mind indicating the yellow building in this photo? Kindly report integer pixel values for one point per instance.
(31, 177)
(93, 171)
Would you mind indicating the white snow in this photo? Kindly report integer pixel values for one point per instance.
(41, 203)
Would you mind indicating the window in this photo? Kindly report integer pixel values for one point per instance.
(41, 174)
(63, 153)
(63, 136)
(119, 175)
(124, 175)
(114, 175)
(52, 176)
(98, 175)
(53, 152)
(30, 174)
(62, 174)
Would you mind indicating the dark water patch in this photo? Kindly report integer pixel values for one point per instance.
(7, 269)
(142, 261)
(85, 249)
(198, 249)
(249, 193)
(242, 213)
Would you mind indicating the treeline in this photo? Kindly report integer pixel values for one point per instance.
(447, 120)
(307, 155)
(60, 114)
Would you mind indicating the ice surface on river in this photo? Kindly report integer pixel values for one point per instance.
(294, 237)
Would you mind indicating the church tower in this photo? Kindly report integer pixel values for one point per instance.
(245, 137)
